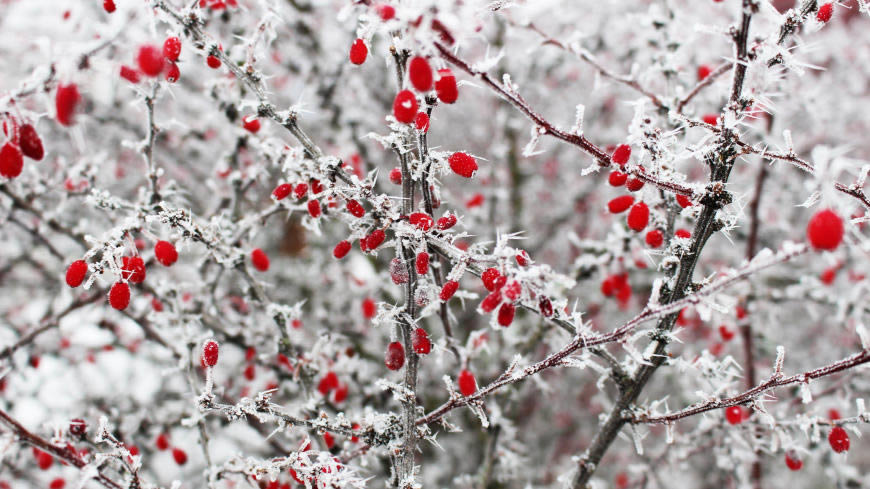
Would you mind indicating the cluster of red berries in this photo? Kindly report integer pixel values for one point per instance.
(638, 212)
(21, 140)
(152, 61)
(421, 78)
(617, 286)
(132, 271)
(503, 293)
(162, 444)
(330, 383)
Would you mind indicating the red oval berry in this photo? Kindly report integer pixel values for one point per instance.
(179, 455)
(161, 442)
(75, 273)
(250, 372)
(77, 427)
(712, 119)
(358, 52)
(11, 160)
(172, 48)
(57, 483)
(446, 222)
(793, 461)
(260, 260)
(405, 106)
(327, 383)
(421, 220)
(734, 415)
(341, 249)
(655, 238)
(119, 296)
(445, 86)
(683, 201)
(210, 351)
(394, 359)
(725, 333)
(355, 208)
(545, 306)
(839, 439)
(422, 263)
(421, 122)
(683, 233)
(31, 144)
(368, 308)
(213, 62)
(396, 176)
(489, 303)
(150, 60)
(828, 275)
(314, 208)
(66, 100)
(467, 383)
(420, 341)
(621, 154)
(165, 253)
(173, 73)
(825, 230)
(522, 258)
(634, 184)
(617, 178)
(704, 71)
(489, 276)
(133, 269)
(282, 191)
(638, 216)
(340, 393)
(825, 12)
(386, 12)
(375, 239)
(620, 204)
(130, 74)
(448, 289)
(462, 164)
(420, 74)
(251, 124)
(43, 459)
(506, 314)
(398, 272)
(109, 6)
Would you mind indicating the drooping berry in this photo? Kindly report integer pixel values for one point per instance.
(31, 144)
(825, 230)
(489, 303)
(405, 107)
(162, 442)
(704, 71)
(421, 122)
(506, 314)
(621, 154)
(11, 160)
(448, 289)
(420, 74)
(617, 178)
(282, 191)
(422, 263)
(172, 48)
(445, 86)
(655, 238)
(369, 308)
(109, 6)
(213, 62)
(793, 461)
(210, 351)
(119, 296)
(396, 176)
(66, 100)
(75, 273)
(150, 60)
(683, 201)
(251, 124)
(394, 359)
(341, 249)
(260, 260)
(77, 427)
(467, 383)
(165, 253)
(173, 73)
(355, 208)
(179, 455)
(462, 164)
(314, 208)
(839, 439)
(43, 459)
(358, 52)
(638, 216)
(446, 222)
(130, 74)
(375, 239)
(420, 341)
(825, 12)
(620, 204)
(133, 269)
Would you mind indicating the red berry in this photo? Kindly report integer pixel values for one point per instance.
(712, 119)
(250, 372)
(634, 184)
(638, 216)
(260, 260)
(734, 415)
(655, 238)
(386, 12)
(725, 333)
(420, 74)
(150, 60)
(210, 352)
(489, 303)
(462, 164)
(375, 239)
(316, 187)
(179, 455)
(76, 272)
(11, 160)
(355, 208)
(43, 459)
(422, 263)
(421, 122)
(396, 176)
(545, 306)
(839, 439)
(476, 200)
(448, 290)
(825, 230)
(358, 52)
(251, 124)
(162, 442)
(394, 359)
(620, 204)
(172, 48)
(282, 191)
(109, 6)
(31, 144)
(446, 222)
(828, 275)
(119, 296)
(77, 427)
(314, 208)
(130, 74)
(165, 253)
(421, 220)
(340, 393)
(213, 62)
(617, 178)
(793, 461)
(683, 201)
(133, 269)
(341, 249)
(57, 483)
(327, 383)
(66, 100)
(398, 272)
(704, 71)
(825, 12)
(405, 106)
(467, 383)
(173, 73)
(506, 314)
(328, 440)
(489, 276)
(369, 308)
(445, 86)
(420, 341)
(522, 258)
(621, 154)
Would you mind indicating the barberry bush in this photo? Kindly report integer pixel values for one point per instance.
(434, 243)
